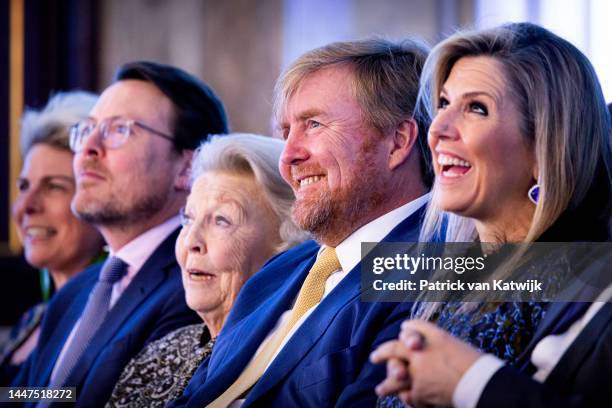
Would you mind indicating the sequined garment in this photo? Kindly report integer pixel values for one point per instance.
(161, 371)
(501, 329)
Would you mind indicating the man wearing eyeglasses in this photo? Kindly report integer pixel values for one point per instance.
(132, 158)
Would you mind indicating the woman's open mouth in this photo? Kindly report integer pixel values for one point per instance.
(198, 275)
(452, 166)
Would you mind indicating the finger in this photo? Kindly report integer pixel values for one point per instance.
(397, 369)
(412, 339)
(405, 396)
(420, 326)
(383, 352)
(390, 349)
(391, 386)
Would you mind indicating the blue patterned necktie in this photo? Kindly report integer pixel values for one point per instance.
(92, 318)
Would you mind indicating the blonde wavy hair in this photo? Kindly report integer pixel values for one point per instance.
(563, 114)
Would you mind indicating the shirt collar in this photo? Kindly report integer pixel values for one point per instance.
(349, 250)
(136, 252)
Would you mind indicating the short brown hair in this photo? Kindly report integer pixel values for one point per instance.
(198, 112)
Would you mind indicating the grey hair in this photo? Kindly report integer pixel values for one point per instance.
(259, 156)
(51, 124)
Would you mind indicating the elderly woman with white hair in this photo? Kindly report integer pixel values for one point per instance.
(237, 216)
(54, 240)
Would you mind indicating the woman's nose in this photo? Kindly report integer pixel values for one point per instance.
(195, 240)
(444, 124)
(30, 202)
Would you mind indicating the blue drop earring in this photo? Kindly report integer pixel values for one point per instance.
(534, 193)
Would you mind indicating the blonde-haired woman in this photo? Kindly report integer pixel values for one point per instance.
(521, 146)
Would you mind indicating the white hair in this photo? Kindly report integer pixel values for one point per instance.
(259, 156)
(51, 124)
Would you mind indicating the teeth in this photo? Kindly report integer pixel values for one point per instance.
(445, 160)
(310, 180)
(451, 174)
(39, 232)
(199, 276)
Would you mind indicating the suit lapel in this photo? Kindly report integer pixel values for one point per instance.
(149, 277)
(251, 321)
(52, 349)
(309, 333)
(580, 347)
(313, 328)
(407, 230)
(262, 289)
(554, 313)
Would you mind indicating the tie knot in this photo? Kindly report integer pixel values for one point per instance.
(313, 287)
(112, 270)
(326, 263)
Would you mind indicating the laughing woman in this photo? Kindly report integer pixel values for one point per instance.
(237, 216)
(521, 142)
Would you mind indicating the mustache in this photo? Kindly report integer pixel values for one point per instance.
(306, 170)
(95, 166)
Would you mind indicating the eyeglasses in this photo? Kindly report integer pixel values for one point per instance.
(115, 132)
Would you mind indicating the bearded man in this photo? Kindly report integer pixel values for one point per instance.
(357, 160)
(132, 160)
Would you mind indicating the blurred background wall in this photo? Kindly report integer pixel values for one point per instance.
(237, 46)
(240, 46)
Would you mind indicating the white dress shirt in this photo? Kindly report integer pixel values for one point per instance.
(349, 256)
(134, 254)
(545, 356)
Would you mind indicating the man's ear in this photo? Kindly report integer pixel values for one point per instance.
(404, 138)
(182, 179)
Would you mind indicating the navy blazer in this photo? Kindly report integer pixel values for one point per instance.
(150, 307)
(580, 379)
(325, 362)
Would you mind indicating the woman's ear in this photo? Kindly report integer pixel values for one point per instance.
(182, 179)
(404, 138)
(536, 171)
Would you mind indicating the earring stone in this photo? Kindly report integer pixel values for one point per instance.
(534, 193)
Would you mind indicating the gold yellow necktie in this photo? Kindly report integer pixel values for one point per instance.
(310, 294)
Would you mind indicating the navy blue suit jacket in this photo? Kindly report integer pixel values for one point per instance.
(580, 379)
(325, 362)
(150, 307)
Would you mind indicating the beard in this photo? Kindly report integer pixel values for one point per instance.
(125, 200)
(116, 211)
(331, 216)
(125, 204)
